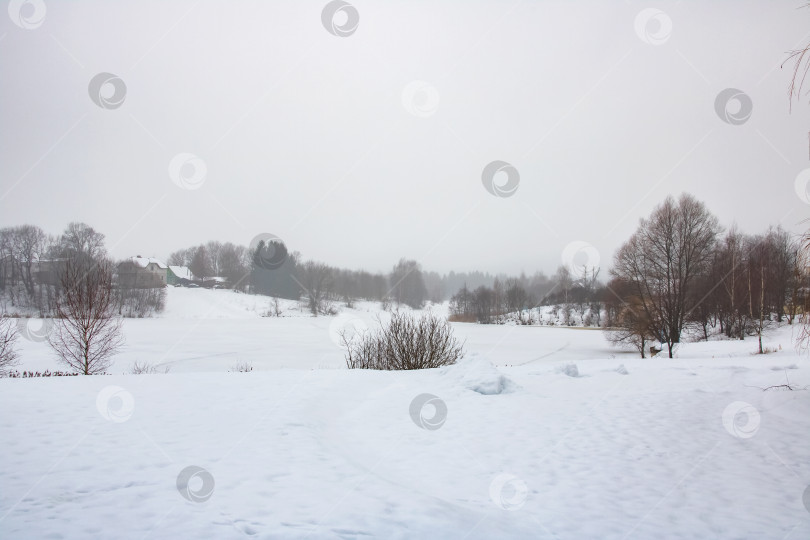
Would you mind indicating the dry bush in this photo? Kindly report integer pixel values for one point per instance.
(242, 367)
(145, 368)
(8, 350)
(463, 317)
(139, 303)
(407, 342)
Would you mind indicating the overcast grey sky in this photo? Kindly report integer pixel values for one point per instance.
(362, 148)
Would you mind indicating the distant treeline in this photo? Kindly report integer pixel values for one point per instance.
(679, 273)
(270, 268)
(33, 264)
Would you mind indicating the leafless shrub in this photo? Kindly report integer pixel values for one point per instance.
(406, 343)
(140, 303)
(386, 303)
(462, 317)
(8, 338)
(274, 310)
(87, 332)
(242, 367)
(145, 368)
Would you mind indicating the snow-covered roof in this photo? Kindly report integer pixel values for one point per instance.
(143, 262)
(181, 271)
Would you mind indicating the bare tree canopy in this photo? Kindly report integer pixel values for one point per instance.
(316, 280)
(407, 284)
(665, 255)
(87, 332)
(8, 339)
(81, 241)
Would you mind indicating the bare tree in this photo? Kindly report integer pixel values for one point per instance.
(316, 280)
(484, 304)
(200, 263)
(782, 261)
(732, 256)
(8, 339)
(498, 300)
(517, 301)
(663, 258)
(630, 323)
(801, 67)
(462, 306)
(564, 282)
(232, 265)
(797, 292)
(592, 288)
(757, 265)
(407, 284)
(81, 241)
(87, 332)
(803, 339)
(27, 248)
(181, 257)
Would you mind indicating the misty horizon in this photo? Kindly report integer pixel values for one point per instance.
(357, 150)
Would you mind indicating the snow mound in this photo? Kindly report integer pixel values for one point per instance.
(568, 369)
(621, 369)
(479, 375)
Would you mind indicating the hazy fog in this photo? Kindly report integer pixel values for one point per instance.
(362, 148)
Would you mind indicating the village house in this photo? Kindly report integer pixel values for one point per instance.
(179, 275)
(142, 273)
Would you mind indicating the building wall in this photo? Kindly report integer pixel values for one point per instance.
(133, 276)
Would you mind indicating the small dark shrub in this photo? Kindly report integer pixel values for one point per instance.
(242, 367)
(407, 342)
(145, 368)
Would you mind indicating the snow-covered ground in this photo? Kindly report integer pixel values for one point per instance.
(541, 432)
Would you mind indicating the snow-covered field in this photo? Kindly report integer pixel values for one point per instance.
(541, 432)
